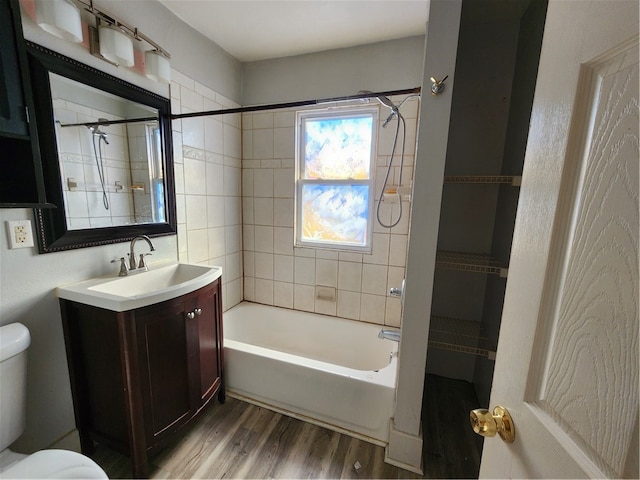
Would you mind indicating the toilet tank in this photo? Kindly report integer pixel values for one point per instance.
(14, 341)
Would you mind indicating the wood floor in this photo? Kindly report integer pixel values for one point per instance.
(240, 440)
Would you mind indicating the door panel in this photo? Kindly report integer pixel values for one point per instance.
(567, 360)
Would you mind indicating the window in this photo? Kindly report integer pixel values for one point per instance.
(334, 186)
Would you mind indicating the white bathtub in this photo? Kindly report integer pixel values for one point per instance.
(330, 371)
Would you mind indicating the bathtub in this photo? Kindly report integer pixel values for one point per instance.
(325, 370)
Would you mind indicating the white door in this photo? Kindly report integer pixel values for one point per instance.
(567, 361)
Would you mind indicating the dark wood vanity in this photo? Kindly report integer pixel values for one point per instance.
(139, 376)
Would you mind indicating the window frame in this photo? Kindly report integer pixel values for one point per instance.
(300, 136)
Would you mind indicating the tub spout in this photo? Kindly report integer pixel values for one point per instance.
(390, 334)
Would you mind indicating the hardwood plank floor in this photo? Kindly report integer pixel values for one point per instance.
(240, 440)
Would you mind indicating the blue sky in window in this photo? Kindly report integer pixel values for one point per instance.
(335, 213)
(338, 148)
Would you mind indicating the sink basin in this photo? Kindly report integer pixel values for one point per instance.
(142, 289)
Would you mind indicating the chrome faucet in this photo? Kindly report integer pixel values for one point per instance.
(132, 256)
(390, 334)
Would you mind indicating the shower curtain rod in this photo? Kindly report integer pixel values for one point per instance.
(301, 103)
(257, 108)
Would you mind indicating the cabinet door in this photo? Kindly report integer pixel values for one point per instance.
(13, 119)
(206, 305)
(164, 367)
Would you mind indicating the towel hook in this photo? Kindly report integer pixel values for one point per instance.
(438, 85)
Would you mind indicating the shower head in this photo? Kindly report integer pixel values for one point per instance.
(97, 132)
(382, 99)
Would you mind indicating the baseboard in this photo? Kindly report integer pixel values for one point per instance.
(70, 441)
(404, 450)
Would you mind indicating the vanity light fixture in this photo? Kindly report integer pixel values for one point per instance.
(157, 66)
(60, 18)
(115, 45)
(111, 39)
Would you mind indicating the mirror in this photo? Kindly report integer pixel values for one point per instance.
(106, 154)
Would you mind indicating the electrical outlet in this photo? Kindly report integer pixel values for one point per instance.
(20, 234)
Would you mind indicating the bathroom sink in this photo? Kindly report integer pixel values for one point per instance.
(142, 289)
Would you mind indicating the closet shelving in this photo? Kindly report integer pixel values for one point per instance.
(458, 335)
(484, 179)
(470, 262)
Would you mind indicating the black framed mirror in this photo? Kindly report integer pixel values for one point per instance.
(107, 155)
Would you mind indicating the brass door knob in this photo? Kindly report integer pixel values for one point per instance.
(488, 424)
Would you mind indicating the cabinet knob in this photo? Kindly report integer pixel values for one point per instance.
(198, 311)
(191, 315)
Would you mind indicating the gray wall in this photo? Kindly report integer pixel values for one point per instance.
(383, 66)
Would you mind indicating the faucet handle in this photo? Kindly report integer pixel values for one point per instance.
(123, 266)
(141, 263)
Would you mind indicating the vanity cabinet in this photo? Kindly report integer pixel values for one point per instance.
(21, 177)
(138, 376)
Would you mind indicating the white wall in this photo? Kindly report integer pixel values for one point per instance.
(27, 279)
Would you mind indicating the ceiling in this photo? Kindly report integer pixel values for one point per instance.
(253, 30)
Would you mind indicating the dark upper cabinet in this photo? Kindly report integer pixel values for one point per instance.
(21, 177)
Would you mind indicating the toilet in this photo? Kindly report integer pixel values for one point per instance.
(14, 341)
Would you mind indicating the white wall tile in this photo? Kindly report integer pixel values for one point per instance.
(264, 291)
(304, 297)
(263, 186)
(263, 241)
(248, 264)
(350, 276)
(215, 211)
(249, 289)
(305, 271)
(195, 177)
(217, 242)
(327, 273)
(372, 308)
(262, 144)
(380, 250)
(374, 279)
(284, 142)
(215, 179)
(233, 238)
(349, 304)
(196, 212)
(283, 212)
(283, 240)
(232, 181)
(283, 268)
(283, 294)
(263, 211)
(283, 182)
(264, 265)
(398, 250)
(197, 242)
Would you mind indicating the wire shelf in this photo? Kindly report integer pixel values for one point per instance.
(470, 262)
(455, 334)
(484, 179)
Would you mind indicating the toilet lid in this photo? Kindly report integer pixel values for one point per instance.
(55, 464)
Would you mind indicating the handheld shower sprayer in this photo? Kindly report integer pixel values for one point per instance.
(97, 132)
(387, 103)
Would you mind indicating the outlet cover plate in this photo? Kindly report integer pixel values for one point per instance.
(20, 234)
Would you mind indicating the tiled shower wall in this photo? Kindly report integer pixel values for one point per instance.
(344, 284)
(207, 155)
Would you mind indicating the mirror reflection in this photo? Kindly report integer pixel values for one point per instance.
(111, 173)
